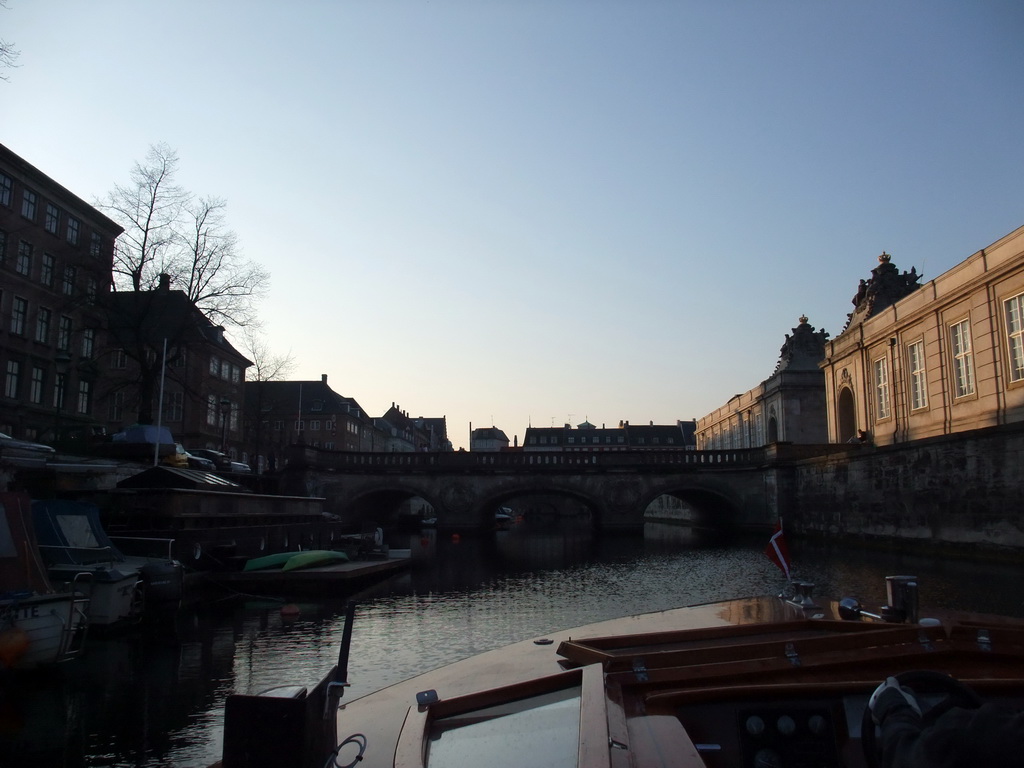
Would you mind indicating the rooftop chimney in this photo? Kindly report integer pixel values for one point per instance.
(323, 377)
(165, 282)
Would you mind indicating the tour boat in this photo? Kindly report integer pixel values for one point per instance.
(76, 550)
(39, 625)
(764, 681)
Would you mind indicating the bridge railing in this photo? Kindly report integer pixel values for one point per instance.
(346, 461)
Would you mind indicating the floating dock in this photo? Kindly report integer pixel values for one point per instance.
(334, 580)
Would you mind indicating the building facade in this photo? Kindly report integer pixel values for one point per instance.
(163, 361)
(56, 257)
(624, 437)
(488, 439)
(789, 406)
(920, 360)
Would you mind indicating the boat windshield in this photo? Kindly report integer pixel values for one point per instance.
(539, 731)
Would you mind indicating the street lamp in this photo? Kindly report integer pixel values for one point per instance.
(225, 409)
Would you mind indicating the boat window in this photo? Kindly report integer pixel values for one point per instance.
(539, 731)
(77, 531)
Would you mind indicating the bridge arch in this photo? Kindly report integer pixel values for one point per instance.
(709, 507)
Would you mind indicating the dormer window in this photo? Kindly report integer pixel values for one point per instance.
(317, 406)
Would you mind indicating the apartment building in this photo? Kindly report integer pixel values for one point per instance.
(56, 257)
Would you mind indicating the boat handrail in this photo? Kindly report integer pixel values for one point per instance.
(111, 554)
(169, 543)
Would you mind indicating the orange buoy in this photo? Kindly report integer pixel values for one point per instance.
(14, 642)
(290, 611)
(456, 538)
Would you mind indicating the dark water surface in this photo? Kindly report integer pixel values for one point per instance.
(157, 699)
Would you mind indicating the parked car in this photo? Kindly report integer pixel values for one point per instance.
(221, 461)
(200, 463)
(17, 451)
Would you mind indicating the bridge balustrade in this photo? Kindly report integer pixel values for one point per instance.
(346, 461)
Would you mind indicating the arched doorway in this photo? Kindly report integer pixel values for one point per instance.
(847, 415)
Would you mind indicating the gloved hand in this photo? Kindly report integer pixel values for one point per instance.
(888, 696)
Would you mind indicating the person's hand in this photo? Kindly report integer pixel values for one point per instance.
(888, 696)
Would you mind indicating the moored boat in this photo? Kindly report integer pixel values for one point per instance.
(763, 681)
(76, 549)
(39, 625)
(290, 561)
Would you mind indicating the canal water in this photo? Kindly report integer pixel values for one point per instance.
(157, 698)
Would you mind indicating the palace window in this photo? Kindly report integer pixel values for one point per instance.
(963, 360)
(1015, 334)
(918, 377)
(52, 218)
(6, 187)
(882, 404)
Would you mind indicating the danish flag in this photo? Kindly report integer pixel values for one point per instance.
(777, 551)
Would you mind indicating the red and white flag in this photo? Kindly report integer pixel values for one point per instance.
(777, 551)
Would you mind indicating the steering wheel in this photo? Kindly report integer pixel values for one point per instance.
(957, 695)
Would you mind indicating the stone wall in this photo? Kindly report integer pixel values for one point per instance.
(959, 491)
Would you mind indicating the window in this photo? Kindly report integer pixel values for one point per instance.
(64, 333)
(918, 379)
(119, 359)
(28, 204)
(1015, 336)
(3, 246)
(236, 374)
(173, 406)
(49, 267)
(23, 266)
(278, 426)
(95, 245)
(43, 325)
(36, 384)
(225, 370)
(88, 341)
(963, 361)
(883, 408)
(52, 219)
(59, 386)
(11, 381)
(6, 190)
(115, 408)
(212, 416)
(299, 426)
(72, 231)
(91, 289)
(68, 284)
(314, 425)
(19, 312)
(214, 366)
(317, 406)
(84, 397)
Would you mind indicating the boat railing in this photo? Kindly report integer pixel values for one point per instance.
(76, 624)
(81, 555)
(154, 547)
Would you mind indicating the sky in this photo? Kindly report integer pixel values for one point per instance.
(543, 212)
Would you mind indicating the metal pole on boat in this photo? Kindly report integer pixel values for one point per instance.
(346, 643)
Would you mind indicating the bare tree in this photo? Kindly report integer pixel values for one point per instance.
(8, 53)
(170, 231)
(149, 208)
(266, 366)
(208, 267)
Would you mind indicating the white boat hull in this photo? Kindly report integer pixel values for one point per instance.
(41, 630)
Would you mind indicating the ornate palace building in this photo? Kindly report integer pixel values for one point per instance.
(919, 360)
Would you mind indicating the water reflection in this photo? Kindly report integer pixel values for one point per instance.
(157, 699)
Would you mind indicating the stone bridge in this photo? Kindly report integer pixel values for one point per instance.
(724, 489)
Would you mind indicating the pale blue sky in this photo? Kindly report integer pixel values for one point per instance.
(516, 212)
